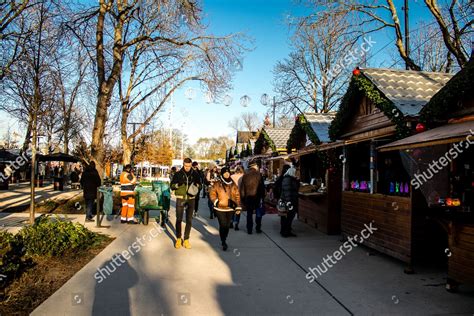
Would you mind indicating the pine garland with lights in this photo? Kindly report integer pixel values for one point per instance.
(360, 84)
(446, 100)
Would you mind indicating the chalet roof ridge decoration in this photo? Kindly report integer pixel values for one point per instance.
(395, 103)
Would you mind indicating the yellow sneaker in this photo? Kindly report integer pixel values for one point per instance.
(187, 245)
(178, 243)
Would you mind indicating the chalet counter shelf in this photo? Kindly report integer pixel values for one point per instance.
(312, 193)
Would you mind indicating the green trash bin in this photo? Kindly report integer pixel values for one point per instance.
(108, 205)
(162, 189)
(147, 200)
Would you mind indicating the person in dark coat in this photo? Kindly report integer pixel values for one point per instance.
(182, 180)
(278, 182)
(252, 192)
(289, 194)
(90, 181)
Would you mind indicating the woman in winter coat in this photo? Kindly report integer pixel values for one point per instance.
(289, 194)
(224, 195)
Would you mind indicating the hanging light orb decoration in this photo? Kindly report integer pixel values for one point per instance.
(227, 100)
(265, 99)
(190, 93)
(245, 101)
(208, 97)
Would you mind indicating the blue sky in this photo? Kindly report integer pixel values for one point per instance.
(264, 21)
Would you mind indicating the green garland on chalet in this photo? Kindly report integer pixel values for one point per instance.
(298, 134)
(360, 84)
(446, 101)
(262, 140)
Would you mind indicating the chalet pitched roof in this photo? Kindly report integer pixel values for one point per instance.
(447, 102)
(319, 123)
(408, 90)
(244, 137)
(279, 136)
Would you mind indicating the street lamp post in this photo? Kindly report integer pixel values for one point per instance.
(265, 100)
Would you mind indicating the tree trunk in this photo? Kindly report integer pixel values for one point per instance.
(28, 133)
(97, 145)
(66, 138)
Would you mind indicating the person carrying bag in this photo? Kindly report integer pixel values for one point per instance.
(224, 195)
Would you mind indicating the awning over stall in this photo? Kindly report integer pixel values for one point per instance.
(445, 134)
(58, 157)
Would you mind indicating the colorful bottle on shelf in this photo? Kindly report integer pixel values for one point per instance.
(392, 188)
(407, 190)
(397, 188)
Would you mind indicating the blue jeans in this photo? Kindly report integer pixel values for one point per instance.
(236, 219)
(89, 207)
(211, 207)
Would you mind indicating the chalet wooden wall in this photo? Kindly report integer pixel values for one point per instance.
(391, 215)
(364, 122)
(461, 245)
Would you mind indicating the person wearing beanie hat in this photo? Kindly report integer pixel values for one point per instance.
(224, 195)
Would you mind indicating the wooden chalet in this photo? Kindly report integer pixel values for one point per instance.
(379, 107)
(320, 191)
(448, 141)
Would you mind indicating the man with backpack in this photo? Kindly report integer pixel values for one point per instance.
(185, 184)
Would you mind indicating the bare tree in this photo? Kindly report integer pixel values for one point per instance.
(236, 124)
(429, 50)
(455, 25)
(250, 121)
(14, 31)
(122, 26)
(454, 20)
(69, 78)
(312, 77)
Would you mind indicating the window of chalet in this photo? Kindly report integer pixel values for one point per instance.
(357, 176)
(392, 178)
(312, 168)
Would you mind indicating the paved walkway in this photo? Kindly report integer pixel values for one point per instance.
(260, 274)
(19, 195)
